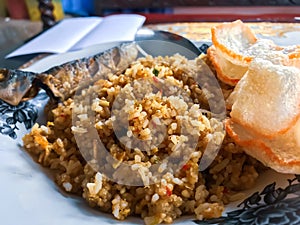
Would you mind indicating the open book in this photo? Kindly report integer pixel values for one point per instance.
(76, 33)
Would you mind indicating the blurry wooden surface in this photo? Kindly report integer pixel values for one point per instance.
(201, 31)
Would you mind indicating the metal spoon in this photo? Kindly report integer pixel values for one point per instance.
(157, 42)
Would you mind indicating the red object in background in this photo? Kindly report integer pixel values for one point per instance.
(230, 13)
(17, 9)
(154, 18)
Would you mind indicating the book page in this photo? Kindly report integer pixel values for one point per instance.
(59, 38)
(80, 32)
(114, 28)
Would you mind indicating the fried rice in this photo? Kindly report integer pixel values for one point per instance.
(160, 196)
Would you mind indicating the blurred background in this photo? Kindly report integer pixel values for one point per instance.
(157, 11)
(22, 20)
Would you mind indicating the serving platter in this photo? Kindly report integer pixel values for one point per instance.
(29, 195)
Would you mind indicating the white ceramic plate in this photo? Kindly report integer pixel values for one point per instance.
(29, 196)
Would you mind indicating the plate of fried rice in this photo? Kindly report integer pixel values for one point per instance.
(140, 143)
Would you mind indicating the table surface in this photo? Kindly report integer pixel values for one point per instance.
(13, 33)
(199, 31)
